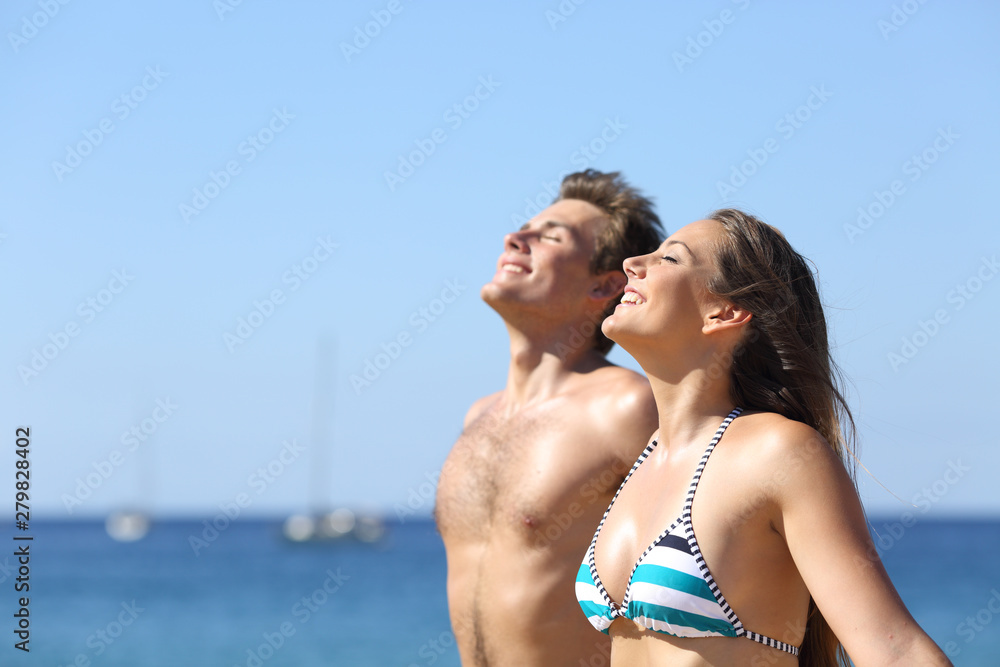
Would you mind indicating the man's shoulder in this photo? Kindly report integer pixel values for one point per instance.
(479, 407)
(620, 411)
(622, 389)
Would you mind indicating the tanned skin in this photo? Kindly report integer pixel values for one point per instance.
(775, 514)
(528, 480)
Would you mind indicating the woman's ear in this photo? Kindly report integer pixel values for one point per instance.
(725, 316)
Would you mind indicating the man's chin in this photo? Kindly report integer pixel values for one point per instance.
(495, 296)
(489, 292)
(494, 291)
(507, 302)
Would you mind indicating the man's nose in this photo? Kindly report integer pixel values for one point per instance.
(515, 241)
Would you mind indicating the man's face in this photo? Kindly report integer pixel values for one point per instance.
(547, 262)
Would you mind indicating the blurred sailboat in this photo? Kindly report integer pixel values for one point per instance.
(323, 524)
(133, 522)
(336, 525)
(127, 526)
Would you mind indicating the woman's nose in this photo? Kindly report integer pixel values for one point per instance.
(635, 266)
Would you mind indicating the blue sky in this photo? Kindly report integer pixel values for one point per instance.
(201, 203)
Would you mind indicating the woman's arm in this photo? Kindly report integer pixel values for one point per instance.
(821, 519)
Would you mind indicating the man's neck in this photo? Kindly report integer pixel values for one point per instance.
(542, 361)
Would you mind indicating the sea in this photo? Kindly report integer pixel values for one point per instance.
(247, 597)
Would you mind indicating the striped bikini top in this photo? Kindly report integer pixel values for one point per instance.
(670, 589)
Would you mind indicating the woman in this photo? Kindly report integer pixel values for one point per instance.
(760, 555)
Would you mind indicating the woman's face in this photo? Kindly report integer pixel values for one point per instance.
(667, 301)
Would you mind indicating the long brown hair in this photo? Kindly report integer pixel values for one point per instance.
(783, 364)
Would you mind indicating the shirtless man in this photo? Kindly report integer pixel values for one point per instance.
(536, 465)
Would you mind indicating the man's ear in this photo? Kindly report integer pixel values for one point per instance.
(725, 316)
(607, 285)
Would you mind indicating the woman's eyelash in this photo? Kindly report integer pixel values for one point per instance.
(669, 258)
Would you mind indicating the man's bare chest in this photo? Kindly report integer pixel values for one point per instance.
(518, 472)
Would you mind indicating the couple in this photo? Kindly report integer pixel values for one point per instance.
(737, 537)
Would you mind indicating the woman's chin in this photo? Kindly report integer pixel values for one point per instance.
(615, 329)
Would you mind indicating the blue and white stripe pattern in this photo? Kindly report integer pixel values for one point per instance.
(670, 589)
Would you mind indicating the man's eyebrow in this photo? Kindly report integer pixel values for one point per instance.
(549, 224)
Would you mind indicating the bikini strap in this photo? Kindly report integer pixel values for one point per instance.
(741, 631)
(704, 459)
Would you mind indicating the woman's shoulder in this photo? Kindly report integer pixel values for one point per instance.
(769, 441)
(788, 463)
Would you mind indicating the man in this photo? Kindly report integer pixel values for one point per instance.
(537, 463)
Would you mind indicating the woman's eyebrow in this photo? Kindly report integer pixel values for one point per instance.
(673, 242)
